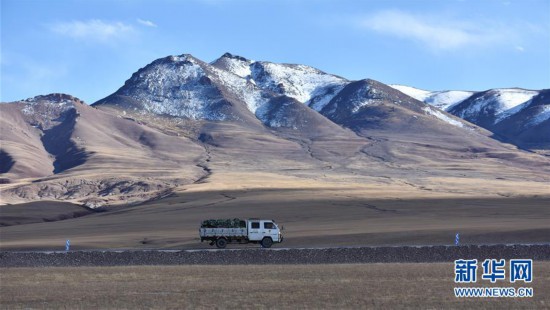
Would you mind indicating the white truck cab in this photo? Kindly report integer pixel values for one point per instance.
(221, 232)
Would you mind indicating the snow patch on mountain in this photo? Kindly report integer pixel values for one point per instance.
(501, 103)
(542, 116)
(416, 93)
(278, 120)
(323, 96)
(359, 104)
(511, 97)
(241, 69)
(297, 81)
(245, 89)
(235, 64)
(443, 117)
(443, 100)
(355, 100)
(48, 108)
(45, 112)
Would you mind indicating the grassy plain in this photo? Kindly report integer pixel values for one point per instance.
(361, 286)
(314, 213)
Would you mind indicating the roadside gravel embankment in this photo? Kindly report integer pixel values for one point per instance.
(403, 254)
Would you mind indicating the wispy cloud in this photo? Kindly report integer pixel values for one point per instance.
(435, 32)
(95, 29)
(147, 23)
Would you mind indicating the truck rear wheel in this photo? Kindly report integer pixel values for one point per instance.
(267, 242)
(221, 243)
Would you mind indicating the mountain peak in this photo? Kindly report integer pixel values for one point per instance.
(48, 111)
(235, 64)
(54, 98)
(237, 57)
(183, 58)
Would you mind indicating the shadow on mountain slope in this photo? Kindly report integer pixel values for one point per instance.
(6, 161)
(57, 141)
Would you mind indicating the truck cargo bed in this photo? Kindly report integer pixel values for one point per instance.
(222, 232)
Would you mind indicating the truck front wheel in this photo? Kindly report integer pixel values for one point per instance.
(221, 243)
(267, 242)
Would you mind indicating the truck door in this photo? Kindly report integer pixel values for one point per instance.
(254, 231)
(270, 230)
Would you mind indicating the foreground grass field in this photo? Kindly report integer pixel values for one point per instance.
(387, 286)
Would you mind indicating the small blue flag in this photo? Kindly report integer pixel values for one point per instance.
(67, 244)
(457, 239)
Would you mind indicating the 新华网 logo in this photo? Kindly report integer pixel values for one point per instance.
(494, 270)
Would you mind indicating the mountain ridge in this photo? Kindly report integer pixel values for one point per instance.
(179, 121)
(491, 107)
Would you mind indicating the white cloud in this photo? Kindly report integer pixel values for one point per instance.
(95, 29)
(147, 23)
(436, 32)
(520, 48)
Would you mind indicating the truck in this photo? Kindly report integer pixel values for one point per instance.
(224, 231)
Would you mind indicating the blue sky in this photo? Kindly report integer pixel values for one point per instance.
(88, 48)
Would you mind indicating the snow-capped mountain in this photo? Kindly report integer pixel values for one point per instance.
(183, 86)
(239, 89)
(491, 106)
(527, 124)
(501, 110)
(308, 85)
(179, 118)
(234, 88)
(368, 104)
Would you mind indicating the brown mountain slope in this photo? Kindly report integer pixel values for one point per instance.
(23, 155)
(90, 156)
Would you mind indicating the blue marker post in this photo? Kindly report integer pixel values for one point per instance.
(457, 239)
(67, 245)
